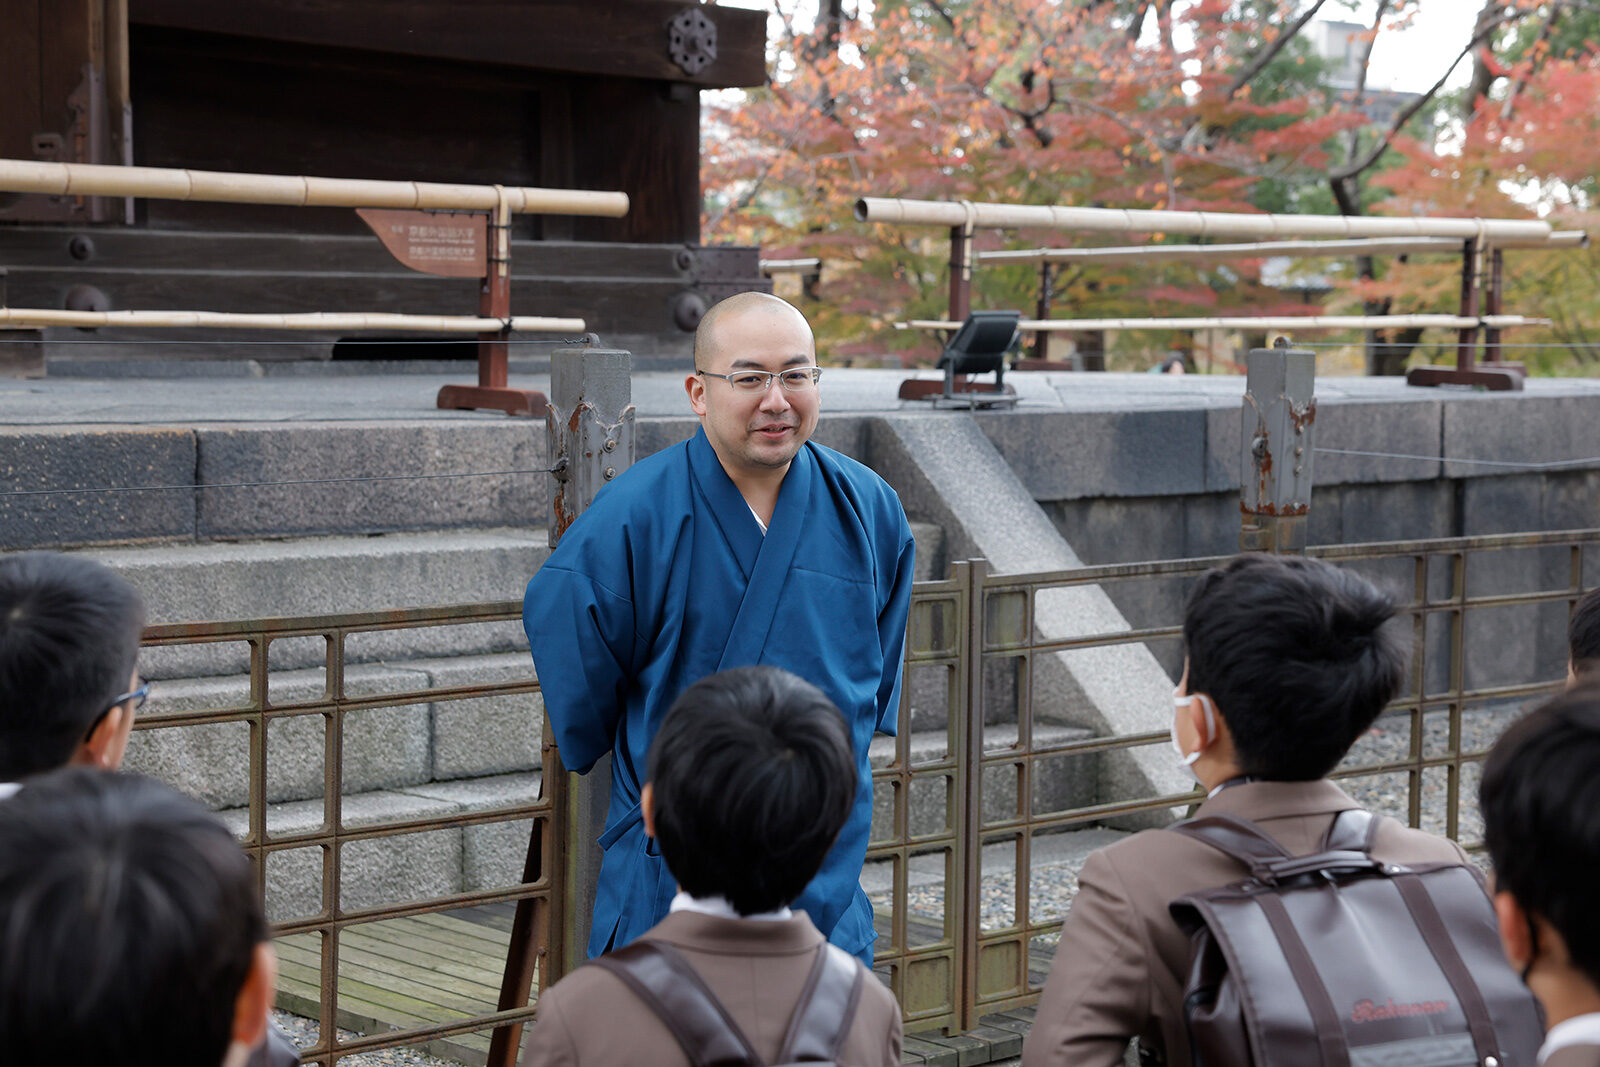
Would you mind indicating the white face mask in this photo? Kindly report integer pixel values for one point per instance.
(1186, 760)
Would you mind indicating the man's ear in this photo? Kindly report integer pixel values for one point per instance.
(695, 386)
(647, 809)
(1513, 921)
(99, 749)
(255, 997)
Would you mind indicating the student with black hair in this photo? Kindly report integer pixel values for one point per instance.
(69, 646)
(1583, 640)
(751, 776)
(1541, 822)
(69, 683)
(1289, 660)
(133, 931)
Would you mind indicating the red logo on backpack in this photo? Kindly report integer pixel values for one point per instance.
(1365, 1011)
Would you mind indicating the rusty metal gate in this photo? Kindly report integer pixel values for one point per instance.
(984, 773)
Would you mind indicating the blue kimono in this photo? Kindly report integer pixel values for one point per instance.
(666, 578)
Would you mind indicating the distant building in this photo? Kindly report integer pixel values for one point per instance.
(1340, 44)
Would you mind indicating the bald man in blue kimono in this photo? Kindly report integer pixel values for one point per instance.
(748, 544)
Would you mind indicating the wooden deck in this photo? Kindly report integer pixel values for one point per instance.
(401, 973)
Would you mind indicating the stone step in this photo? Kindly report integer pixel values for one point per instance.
(328, 575)
(384, 748)
(414, 866)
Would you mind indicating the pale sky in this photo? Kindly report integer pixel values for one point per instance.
(1412, 60)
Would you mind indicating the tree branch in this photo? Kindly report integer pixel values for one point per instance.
(1352, 136)
(1350, 170)
(1270, 52)
(1535, 59)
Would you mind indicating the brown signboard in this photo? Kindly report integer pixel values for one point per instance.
(454, 244)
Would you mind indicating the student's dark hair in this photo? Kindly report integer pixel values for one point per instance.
(1541, 818)
(131, 917)
(69, 639)
(753, 777)
(1583, 635)
(1299, 656)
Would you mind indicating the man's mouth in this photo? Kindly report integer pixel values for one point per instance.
(774, 430)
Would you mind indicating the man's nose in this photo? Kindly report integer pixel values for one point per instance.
(774, 399)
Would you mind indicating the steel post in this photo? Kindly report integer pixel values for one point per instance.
(1277, 439)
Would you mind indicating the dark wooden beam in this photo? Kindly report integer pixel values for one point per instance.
(626, 38)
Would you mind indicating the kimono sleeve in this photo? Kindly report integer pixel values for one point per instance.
(582, 637)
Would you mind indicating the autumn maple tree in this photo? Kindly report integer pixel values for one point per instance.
(1222, 107)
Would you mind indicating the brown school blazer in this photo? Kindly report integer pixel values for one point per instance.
(755, 968)
(1574, 1056)
(1122, 962)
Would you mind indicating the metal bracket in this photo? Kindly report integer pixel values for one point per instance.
(692, 40)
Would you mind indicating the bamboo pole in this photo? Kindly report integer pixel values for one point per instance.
(87, 179)
(790, 266)
(315, 320)
(1208, 253)
(1558, 239)
(1283, 322)
(1197, 223)
(1361, 246)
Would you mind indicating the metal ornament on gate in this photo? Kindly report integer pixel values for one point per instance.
(1276, 448)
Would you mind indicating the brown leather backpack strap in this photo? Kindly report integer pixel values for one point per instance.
(1430, 924)
(1324, 1016)
(1235, 836)
(659, 976)
(826, 1008)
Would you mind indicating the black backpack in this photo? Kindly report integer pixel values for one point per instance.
(660, 976)
(1339, 959)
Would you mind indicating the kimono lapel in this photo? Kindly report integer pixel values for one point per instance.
(759, 608)
(727, 506)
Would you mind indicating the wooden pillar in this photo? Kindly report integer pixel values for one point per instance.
(1492, 303)
(1041, 338)
(1467, 338)
(960, 273)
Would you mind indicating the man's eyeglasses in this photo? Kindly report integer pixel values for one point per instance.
(138, 697)
(793, 380)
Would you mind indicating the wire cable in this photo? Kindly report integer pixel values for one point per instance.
(1555, 464)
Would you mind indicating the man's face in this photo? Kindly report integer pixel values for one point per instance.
(756, 431)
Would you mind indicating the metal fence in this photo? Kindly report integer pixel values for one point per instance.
(981, 796)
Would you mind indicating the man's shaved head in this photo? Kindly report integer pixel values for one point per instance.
(706, 336)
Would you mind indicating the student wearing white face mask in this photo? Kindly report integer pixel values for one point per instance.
(1289, 660)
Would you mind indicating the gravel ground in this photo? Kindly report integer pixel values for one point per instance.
(304, 1032)
(1053, 884)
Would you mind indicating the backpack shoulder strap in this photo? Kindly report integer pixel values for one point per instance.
(826, 1009)
(1352, 831)
(1235, 836)
(659, 975)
